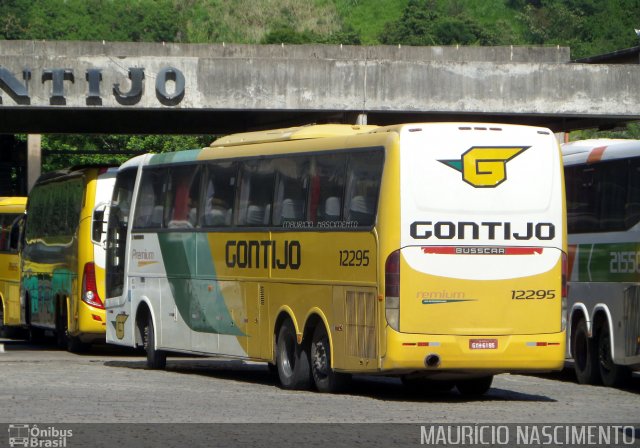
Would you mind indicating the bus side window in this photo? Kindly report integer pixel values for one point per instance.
(581, 212)
(219, 194)
(256, 193)
(151, 198)
(14, 237)
(183, 197)
(327, 187)
(632, 212)
(612, 195)
(363, 185)
(4, 232)
(291, 189)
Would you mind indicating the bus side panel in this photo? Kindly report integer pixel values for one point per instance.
(604, 279)
(11, 213)
(10, 287)
(195, 312)
(300, 269)
(49, 258)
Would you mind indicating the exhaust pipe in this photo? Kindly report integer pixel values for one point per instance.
(432, 360)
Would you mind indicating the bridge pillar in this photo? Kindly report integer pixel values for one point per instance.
(34, 159)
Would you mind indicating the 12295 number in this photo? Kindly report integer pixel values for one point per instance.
(354, 258)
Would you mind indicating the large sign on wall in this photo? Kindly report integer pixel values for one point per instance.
(60, 80)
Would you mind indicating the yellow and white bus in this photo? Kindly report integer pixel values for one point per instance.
(11, 211)
(63, 256)
(603, 207)
(425, 251)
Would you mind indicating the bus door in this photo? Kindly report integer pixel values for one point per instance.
(118, 303)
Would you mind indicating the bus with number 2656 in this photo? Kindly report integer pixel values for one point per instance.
(431, 252)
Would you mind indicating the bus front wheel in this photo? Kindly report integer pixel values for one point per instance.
(292, 360)
(613, 375)
(326, 379)
(585, 355)
(156, 359)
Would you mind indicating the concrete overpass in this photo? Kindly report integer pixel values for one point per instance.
(141, 88)
(100, 87)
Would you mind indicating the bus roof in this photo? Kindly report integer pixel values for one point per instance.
(596, 150)
(294, 133)
(13, 204)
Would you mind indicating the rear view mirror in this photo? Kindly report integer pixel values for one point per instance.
(98, 223)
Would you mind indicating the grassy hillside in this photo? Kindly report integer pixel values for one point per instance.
(369, 17)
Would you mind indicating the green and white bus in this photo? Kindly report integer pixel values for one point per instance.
(603, 213)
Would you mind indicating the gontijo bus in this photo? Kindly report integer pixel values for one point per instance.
(603, 206)
(63, 256)
(427, 251)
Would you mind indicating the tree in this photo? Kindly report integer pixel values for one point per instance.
(415, 27)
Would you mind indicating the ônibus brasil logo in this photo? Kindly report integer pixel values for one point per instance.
(485, 166)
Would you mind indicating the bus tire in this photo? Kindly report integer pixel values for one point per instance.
(613, 375)
(156, 359)
(75, 345)
(585, 355)
(325, 378)
(63, 338)
(292, 360)
(3, 328)
(474, 387)
(36, 335)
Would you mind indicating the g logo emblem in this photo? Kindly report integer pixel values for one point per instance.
(120, 320)
(485, 166)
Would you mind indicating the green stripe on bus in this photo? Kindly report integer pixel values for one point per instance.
(198, 298)
(175, 157)
(616, 262)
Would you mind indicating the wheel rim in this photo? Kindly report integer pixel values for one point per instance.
(320, 359)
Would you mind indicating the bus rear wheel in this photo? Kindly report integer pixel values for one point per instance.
(63, 338)
(156, 359)
(585, 355)
(3, 329)
(292, 360)
(474, 387)
(326, 379)
(613, 375)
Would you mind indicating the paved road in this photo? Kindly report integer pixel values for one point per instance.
(109, 385)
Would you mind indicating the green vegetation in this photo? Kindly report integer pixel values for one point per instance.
(589, 27)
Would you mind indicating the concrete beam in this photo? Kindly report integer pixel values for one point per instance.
(273, 84)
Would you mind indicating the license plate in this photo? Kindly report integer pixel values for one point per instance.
(483, 344)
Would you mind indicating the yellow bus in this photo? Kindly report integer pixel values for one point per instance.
(63, 256)
(11, 211)
(432, 252)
